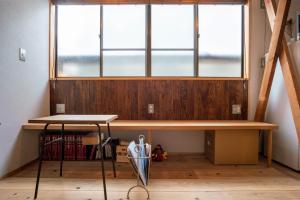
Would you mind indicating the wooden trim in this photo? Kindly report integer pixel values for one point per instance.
(52, 50)
(289, 72)
(19, 169)
(146, 78)
(149, 1)
(274, 50)
(247, 46)
(162, 125)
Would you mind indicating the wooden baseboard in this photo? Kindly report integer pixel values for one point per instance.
(19, 169)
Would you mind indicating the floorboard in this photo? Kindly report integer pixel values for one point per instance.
(181, 177)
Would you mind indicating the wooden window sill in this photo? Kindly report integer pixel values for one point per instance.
(148, 78)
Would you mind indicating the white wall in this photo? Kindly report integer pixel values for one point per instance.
(24, 89)
(259, 27)
(285, 142)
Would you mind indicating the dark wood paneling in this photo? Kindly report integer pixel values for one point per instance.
(172, 99)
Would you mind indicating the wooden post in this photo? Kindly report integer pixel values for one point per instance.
(288, 70)
(274, 50)
(149, 137)
(52, 49)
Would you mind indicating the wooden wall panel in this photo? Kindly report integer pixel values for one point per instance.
(172, 99)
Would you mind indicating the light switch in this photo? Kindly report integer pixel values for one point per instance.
(22, 54)
(150, 108)
(60, 108)
(236, 109)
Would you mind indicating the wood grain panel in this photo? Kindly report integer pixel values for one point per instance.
(172, 99)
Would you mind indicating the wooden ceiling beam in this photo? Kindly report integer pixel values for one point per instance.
(288, 70)
(273, 54)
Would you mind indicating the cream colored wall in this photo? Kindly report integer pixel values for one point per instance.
(24, 91)
(259, 29)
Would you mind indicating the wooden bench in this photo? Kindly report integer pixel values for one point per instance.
(167, 125)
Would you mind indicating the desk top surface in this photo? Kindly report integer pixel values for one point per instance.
(75, 119)
(169, 125)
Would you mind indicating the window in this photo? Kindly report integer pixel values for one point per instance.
(172, 40)
(123, 63)
(149, 40)
(220, 42)
(124, 40)
(78, 49)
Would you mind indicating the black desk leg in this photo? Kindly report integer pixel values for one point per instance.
(112, 150)
(41, 154)
(102, 162)
(62, 147)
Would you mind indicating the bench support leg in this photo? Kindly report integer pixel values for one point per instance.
(113, 153)
(62, 147)
(269, 150)
(102, 162)
(41, 154)
(149, 137)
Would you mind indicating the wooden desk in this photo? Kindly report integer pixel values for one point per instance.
(96, 120)
(166, 125)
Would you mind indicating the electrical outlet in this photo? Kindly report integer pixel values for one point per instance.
(150, 108)
(22, 54)
(236, 109)
(60, 108)
(208, 143)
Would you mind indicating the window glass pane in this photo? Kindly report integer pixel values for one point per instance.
(220, 28)
(124, 63)
(78, 46)
(78, 66)
(172, 63)
(124, 26)
(172, 26)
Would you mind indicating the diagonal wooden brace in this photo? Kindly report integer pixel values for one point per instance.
(288, 69)
(289, 72)
(274, 50)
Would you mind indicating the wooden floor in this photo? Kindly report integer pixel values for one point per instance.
(181, 177)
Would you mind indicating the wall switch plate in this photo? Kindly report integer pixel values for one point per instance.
(150, 108)
(22, 54)
(236, 109)
(60, 108)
